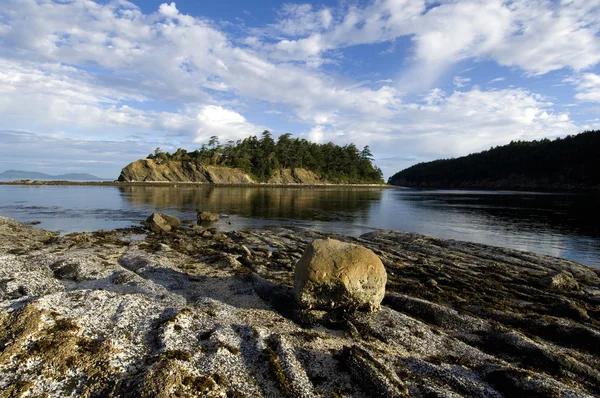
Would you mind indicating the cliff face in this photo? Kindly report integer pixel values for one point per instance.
(295, 176)
(148, 170)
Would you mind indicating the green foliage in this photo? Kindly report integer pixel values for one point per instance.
(565, 162)
(262, 157)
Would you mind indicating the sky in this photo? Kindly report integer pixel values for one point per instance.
(90, 86)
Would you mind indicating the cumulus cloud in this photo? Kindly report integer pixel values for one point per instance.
(168, 10)
(224, 123)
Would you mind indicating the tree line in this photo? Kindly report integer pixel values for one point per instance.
(261, 158)
(570, 162)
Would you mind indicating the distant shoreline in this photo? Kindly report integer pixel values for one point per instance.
(175, 183)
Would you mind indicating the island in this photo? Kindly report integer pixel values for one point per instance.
(569, 163)
(185, 310)
(252, 160)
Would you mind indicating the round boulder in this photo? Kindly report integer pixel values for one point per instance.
(334, 274)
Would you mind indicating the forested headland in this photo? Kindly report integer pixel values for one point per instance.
(262, 157)
(572, 162)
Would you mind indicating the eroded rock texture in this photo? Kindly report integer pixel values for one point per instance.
(196, 313)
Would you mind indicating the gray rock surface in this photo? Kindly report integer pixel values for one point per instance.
(129, 314)
(335, 274)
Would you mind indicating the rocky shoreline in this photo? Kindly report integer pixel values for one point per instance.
(195, 312)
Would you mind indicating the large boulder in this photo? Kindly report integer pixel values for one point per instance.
(335, 274)
(206, 217)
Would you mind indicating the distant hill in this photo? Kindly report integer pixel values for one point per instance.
(565, 163)
(32, 175)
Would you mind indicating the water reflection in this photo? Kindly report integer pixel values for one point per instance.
(321, 204)
(564, 225)
(541, 212)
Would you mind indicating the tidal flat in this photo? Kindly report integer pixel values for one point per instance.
(198, 312)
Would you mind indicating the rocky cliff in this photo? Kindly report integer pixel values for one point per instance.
(195, 312)
(149, 170)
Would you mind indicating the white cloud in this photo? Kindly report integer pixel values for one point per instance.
(536, 36)
(588, 87)
(301, 19)
(460, 81)
(169, 76)
(55, 96)
(224, 123)
(168, 10)
(316, 134)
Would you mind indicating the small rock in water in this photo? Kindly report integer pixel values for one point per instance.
(335, 274)
(207, 216)
(562, 281)
(157, 223)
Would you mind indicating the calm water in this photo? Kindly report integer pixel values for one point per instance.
(564, 225)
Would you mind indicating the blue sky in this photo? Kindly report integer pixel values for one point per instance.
(91, 86)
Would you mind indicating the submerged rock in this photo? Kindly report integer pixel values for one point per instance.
(334, 274)
(207, 217)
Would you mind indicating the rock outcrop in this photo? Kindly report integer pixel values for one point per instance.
(295, 176)
(149, 170)
(333, 274)
(131, 313)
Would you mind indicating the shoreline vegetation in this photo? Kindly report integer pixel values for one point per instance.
(197, 312)
(565, 164)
